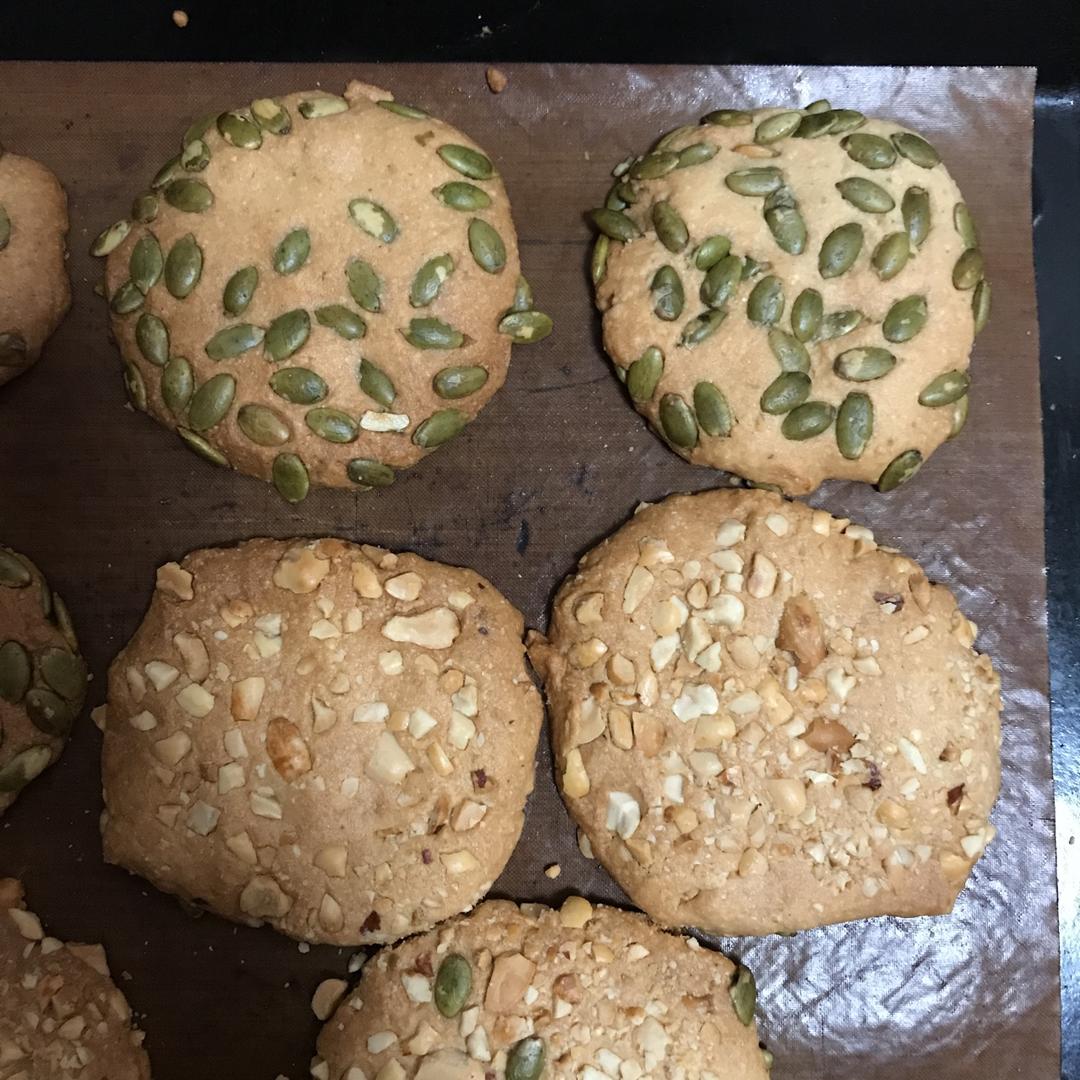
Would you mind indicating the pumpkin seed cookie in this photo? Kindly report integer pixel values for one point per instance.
(333, 739)
(318, 289)
(42, 675)
(792, 295)
(764, 722)
(34, 289)
(529, 992)
(61, 1016)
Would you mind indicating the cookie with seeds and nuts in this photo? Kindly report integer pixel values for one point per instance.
(35, 292)
(329, 738)
(528, 992)
(61, 1015)
(319, 289)
(42, 675)
(792, 295)
(764, 722)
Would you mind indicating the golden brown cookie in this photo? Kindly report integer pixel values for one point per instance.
(765, 722)
(61, 1015)
(319, 289)
(792, 295)
(333, 739)
(34, 289)
(42, 675)
(529, 992)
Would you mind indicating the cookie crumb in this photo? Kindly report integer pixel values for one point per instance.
(180, 18)
(553, 871)
(496, 80)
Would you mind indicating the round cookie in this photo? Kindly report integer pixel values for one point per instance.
(61, 1015)
(42, 675)
(764, 722)
(792, 295)
(530, 992)
(34, 289)
(333, 739)
(318, 289)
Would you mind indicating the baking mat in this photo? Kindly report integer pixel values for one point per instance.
(99, 496)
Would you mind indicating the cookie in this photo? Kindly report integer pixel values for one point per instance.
(530, 992)
(34, 289)
(792, 295)
(42, 675)
(318, 289)
(764, 722)
(61, 1015)
(332, 739)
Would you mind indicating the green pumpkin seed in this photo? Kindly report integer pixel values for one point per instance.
(891, 255)
(904, 319)
(790, 353)
(364, 284)
(320, 107)
(695, 154)
(865, 195)
(523, 296)
(439, 427)
(61, 616)
(816, 107)
(653, 166)
(183, 267)
(840, 249)
(915, 208)
(670, 227)
(900, 470)
(916, 149)
(299, 386)
(168, 172)
(598, 262)
(486, 246)
(429, 280)
(614, 224)
(198, 128)
(757, 182)
(342, 320)
(190, 196)
(808, 420)
(234, 340)
(369, 473)
(64, 672)
(786, 392)
(814, 125)
(776, 127)
(614, 200)
(460, 195)
(870, 151)
(525, 327)
(271, 116)
(376, 383)
(410, 112)
(373, 219)
(262, 425)
(751, 267)
(644, 373)
(667, 294)
(765, 304)
(785, 222)
(177, 384)
(721, 281)
(135, 386)
(201, 447)
(467, 161)
(286, 334)
(806, 315)
(945, 389)
(526, 1059)
(108, 240)
(290, 477)
(710, 251)
(195, 156)
(677, 421)
(433, 334)
(968, 271)
(12, 349)
(712, 409)
(152, 337)
(127, 298)
(728, 117)
(845, 120)
(665, 141)
(704, 326)
(210, 403)
(239, 290)
(854, 425)
(744, 995)
(14, 573)
(24, 767)
(333, 425)
(980, 305)
(15, 672)
(864, 364)
(964, 224)
(459, 382)
(292, 252)
(49, 712)
(959, 416)
(146, 263)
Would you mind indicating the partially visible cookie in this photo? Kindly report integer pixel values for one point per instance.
(61, 1015)
(764, 722)
(330, 738)
(530, 992)
(42, 675)
(35, 292)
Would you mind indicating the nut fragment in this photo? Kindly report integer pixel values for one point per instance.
(247, 695)
(575, 912)
(510, 978)
(173, 578)
(436, 628)
(801, 633)
(327, 996)
(300, 570)
(286, 749)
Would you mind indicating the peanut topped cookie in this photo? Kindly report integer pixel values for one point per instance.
(792, 295)
(319, 289)
(333, 739)
(764, 722)
(529, 992)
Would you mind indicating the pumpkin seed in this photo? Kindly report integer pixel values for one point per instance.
(667, 294)
(653, 166)
(364, 284)
(964, 224)
(369, 473)
(234, 340)
(169, 171)
(201, 447)
(786, 392)
(12, 349)
(342, 320)
(290, 477)
(195, 156)
(110, 239)
(945, 389)
(870, 151)
(695, 154)
(644, 373)
(429, 280)
(980, 305)
(757, 182)
(900, 470)
(806, 314)
(854, 425)
(373, 219)
(710, 251)
(968, 271)
(677, 420)
(765, 303)
(271, 116)
(398, 108)
(721, 281)
(23, 767)
(190, 196)
(211, 402)
(177, 384)
(704, 326)
(904, 319)
(790, 353)
(15, 672)
(670, 227)
(486, 246)
(614, 224)
(467, 161)
(523, 296)
(198, 128)
(526, 1059)
(744, 995)
(286, 334)
(262, 425)
(439, 427)
(712, 409)
(785, 222)
(299, 386)
(127, 298)
(820, 106)
(915, 208)
(320, 107)
(239, 290)
(146, 263)
(152, 337)
(333, 425)
(891, 255)
(525, 327)
(459, 382)
(776, 127)
(916, 149)
(751, 267)
(49, 712)
(845, 120)
(840, 249)
(376, 383)
(622, 192)
(460, 195)
(433, 334)
(807, 420)
(292, 252)
(183, 267)
(814, 125)
(135, 386)
(959, 417)
(613, 200)
(728, 117)
(865, 195)
(64, 672)
(62, 617)
(598, 262)
(864, 364)
(14, 573)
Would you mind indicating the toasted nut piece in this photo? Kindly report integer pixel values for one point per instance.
(173, 578)
(511, 976)
(575, 912)
(801, 633)
(286, 749)
(300, 570)
(589, 610)
(326, 997)
(825, 735)
(575, 778)
(196, 658)
(436, 628)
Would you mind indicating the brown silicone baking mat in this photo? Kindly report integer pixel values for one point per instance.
(100, 495)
